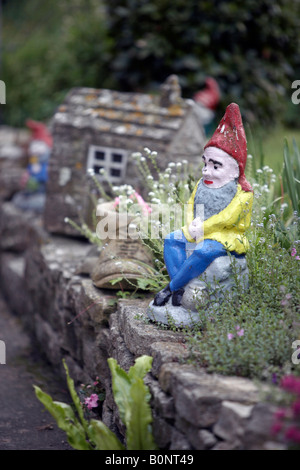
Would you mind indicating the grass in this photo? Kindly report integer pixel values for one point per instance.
(270, 142)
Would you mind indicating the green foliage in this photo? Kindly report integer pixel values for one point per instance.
(261, 321)
(291, 174)
(132, 398)
(251, 48)
(49, 49)
(241, 44)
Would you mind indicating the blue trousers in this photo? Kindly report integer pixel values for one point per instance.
(182, 269)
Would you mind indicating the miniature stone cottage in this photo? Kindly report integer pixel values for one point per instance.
(94, 129)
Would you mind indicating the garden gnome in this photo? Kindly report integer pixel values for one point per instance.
(219, 212)
(39, 152)
(34, 180)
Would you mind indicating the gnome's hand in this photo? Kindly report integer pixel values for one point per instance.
(196, 228)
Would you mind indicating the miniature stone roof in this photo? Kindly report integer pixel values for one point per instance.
(130, 114)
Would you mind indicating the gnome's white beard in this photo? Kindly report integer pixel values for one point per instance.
(214, 200)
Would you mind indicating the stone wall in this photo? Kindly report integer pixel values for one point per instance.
(45, 280)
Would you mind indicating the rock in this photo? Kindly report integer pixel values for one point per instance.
(258, 429)
(242, 390)
(162, 432)
(197, 406)
(161, 402)
(12, 237)
(224, 445)
(179, 441)
(139, 335)
(163, 352)
(231, 423)
(207, 439)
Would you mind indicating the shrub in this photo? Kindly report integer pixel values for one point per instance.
(250, 48)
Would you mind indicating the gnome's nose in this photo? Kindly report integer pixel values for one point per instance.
(205, 171)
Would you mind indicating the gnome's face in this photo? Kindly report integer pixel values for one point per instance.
(219, 168)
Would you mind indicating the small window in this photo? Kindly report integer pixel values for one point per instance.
(117, 157)
(115, 172)
(112, 161)
(97, 168)
(99, 155)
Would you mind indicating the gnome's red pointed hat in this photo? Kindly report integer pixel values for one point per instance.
(39, 132)
(231, 138)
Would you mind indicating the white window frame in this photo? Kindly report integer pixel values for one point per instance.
(107, 163)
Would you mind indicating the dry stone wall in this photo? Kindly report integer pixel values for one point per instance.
(46, 282)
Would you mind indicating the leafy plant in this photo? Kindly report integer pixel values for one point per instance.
(132, 397)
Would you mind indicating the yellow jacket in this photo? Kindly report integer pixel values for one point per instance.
(228, 226)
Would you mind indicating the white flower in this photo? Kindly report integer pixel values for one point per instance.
(91, 171)
(101, 171)
(143, 159)
(136, 155)
(147, 150)
(259, 170)
(171, 164)
(178, 164)
(153, 153)
(149, 177)
(66, 219)
(185, 162)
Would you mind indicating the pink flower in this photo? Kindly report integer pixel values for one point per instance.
(276, 428)
(293, 252)
(240, 332)
(297, 257)
(230, 336)
(92, 401)
(116, 202)
(280, 413)
(296, 408)
(291, 384)
(293, 434)
(146, 208)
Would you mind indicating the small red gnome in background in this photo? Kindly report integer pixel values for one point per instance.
(33, 182)
(207, 101)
